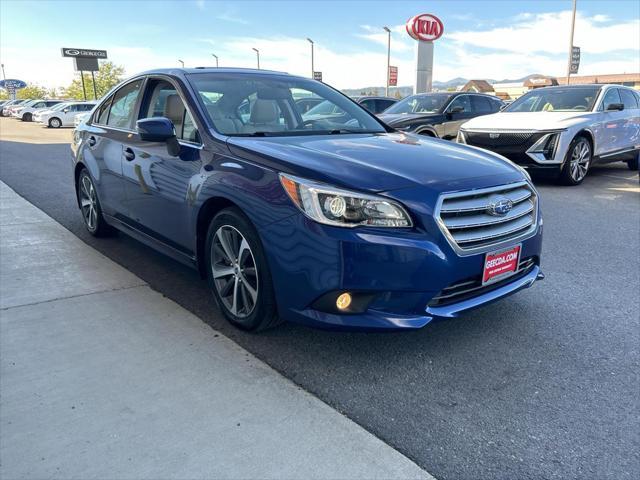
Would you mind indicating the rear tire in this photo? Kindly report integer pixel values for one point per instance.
(633, 163)
(27, 117)
(90, 206)
(577, 161)
(55, 122)
(238, 272)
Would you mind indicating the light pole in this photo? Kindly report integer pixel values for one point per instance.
(182, 63)
(257, 56)
(4, 77)
(386, 29)
(216, 57)
(312, 68)
(573, 24)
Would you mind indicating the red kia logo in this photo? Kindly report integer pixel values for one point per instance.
(425, 27)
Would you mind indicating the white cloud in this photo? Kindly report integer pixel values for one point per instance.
(549, 33)
(400, 41)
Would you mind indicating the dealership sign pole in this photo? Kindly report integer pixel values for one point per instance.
(85, 60)
(573, 24)
(425, 28)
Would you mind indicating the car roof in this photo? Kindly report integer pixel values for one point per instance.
(373, 97)
(190, 71)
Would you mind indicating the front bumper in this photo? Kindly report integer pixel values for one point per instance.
(402, 271)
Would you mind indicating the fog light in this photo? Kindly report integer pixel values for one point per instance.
(343, 301)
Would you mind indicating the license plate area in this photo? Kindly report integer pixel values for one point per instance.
(500, 264)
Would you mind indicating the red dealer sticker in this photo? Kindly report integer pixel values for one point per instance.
(500, 265)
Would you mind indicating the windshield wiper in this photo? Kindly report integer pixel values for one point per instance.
(338, 131)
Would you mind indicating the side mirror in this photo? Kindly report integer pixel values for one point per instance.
(455, 110)
(615, 106)
(66, 110)
(502, 107)
(159, 129)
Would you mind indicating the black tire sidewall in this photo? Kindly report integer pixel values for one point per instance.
(565, 174)
(265, 305)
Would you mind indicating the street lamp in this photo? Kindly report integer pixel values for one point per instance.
(386, 29)
(182, 63)
(216, 57)
(312, 68)
(257, 56)
(3, 75)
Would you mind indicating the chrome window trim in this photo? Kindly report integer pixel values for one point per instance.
(465, 252)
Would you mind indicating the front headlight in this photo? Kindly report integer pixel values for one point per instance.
(343, 208)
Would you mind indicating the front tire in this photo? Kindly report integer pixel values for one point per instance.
(90, 206)
(55, 122)
(577, 161)
(238, 272)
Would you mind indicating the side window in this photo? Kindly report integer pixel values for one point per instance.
(369, 104)
(496, 105)
(461, 101)
(39, 105)
(123, 105)
(164, 101)
(382, 105)
(610, 97)
(480, 104)
(103, 112)
(628, 98)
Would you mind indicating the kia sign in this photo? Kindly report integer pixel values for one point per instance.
(393, 76)
(12, 84)
(83, 53)
(425, 27)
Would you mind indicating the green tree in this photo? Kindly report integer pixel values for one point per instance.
(108, 76)
(32, 91)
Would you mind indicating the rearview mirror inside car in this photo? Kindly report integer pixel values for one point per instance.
(615, 106)
(159, 129)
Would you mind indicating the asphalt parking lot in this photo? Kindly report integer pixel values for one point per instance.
(542, 385)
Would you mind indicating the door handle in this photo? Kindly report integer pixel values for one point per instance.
(128, 154)
(91, 141)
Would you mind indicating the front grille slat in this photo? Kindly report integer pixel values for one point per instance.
(499, 139)
(469, 288)
(469, 225)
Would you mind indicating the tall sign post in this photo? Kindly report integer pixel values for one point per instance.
(85, 60)
(425, 28)
(11, 85)
(571, 50)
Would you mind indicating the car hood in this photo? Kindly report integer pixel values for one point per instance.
(402, 118)
(526, 120)
(379, 162)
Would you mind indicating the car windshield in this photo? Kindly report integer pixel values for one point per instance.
(556, 100)
(241, 104)
(429, 103)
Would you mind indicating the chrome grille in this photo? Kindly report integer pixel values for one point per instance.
(466, 220)
(470, 288)
(497, 139)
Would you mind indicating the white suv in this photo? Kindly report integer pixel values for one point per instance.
(26, 113)
(64, 116)
(563, 130)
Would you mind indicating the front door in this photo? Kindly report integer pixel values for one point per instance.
(459, 111)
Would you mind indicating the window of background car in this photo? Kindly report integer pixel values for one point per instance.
(266, 105)
(628, 98)
(382, 104)
(463, 101)
(612, 96)
(163, 100)
(480, 104)
(369, 104)
(579, 99)
(429, 103)
(123, 105)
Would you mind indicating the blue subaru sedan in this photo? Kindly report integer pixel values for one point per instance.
(330, 218)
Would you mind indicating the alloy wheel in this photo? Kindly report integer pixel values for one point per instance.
(55, 123)
(88, 203)
(234, 271)
(579, 162)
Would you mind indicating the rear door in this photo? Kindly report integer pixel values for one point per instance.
(157, 184)
(111, 126)
(630, 136)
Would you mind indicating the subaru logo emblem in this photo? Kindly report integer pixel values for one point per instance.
(494, 135)
(500, 206)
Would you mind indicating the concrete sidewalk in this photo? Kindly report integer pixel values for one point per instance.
(102, 377)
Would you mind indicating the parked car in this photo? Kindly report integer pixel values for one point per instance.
(37, 116)
(375, 104)
(25, 113)
(343, 224)
(80, 118)
(6, 108)
(563, 130)
(64, 115)
(307, 103)
(439, 114)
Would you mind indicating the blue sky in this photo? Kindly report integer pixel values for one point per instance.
(482, 39)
